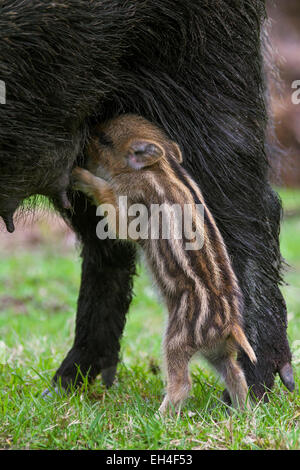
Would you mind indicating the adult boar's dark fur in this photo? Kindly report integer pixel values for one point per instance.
(193, 68)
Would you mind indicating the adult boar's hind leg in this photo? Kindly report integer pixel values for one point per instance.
(105, 294)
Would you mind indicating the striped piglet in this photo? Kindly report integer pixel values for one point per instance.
(129, 156)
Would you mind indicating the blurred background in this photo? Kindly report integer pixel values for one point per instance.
(283, 72)
(284, 37)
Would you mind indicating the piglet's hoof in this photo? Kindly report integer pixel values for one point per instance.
(167, 408)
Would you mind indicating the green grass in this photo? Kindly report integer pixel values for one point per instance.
(38, 291)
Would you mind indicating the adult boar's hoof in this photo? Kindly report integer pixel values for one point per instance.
(108, 375)
(287, 377)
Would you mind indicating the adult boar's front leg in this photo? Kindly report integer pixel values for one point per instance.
(105, 294)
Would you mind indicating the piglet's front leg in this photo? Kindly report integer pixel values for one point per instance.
(94, 187)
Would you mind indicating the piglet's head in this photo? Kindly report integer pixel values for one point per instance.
(129, 143)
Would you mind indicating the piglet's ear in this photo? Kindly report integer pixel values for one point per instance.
(144, 153)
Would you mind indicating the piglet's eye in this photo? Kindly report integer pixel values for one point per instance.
(104, 139)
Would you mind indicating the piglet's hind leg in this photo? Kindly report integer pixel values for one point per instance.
(177, 357)
(226, 364)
